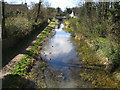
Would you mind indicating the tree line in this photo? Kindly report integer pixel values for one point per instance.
(100, 23)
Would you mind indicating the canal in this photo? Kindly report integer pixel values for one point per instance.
(63, 63)
(64, 67)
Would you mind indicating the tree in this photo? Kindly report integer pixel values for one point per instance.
(59, 10)
(69, 10)
(50, 12)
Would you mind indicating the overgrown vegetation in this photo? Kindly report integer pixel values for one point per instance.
(21, 70)
(19, 20)
(99, 24)
(94, 70)
(18, 26)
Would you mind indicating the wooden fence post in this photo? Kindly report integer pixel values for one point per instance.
(4, 33)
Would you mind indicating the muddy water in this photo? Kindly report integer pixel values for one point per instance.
(64, 65)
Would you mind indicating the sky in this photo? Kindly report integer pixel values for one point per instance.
(54, 3)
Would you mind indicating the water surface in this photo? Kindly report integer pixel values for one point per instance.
(63, 62)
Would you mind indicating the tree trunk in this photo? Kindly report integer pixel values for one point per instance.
(38, 12)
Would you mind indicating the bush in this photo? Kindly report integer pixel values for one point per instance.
(100, 30)
(100, 36)
(116, 59)
(17, 26)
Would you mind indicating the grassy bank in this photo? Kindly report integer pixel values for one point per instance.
(94, 71)
(21, 70)
(106, 49)
(96, 68)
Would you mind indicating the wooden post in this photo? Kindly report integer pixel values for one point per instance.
(4, 33)
(0, 20)
(1, 39)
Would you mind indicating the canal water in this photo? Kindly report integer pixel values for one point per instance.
(64, 65)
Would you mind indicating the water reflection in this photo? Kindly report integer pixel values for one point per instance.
(58, 26)
(60, 48)
(59, 52)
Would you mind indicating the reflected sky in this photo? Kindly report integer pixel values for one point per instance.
(59, 48)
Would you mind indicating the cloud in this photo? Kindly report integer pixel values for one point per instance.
(63, 3)
(20, 1)
(54, 3)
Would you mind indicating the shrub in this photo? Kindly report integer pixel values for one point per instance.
(116, 59)
(17, 26)
(100, 30)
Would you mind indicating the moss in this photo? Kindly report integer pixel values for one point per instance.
(47, 31)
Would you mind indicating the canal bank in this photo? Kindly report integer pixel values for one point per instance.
(64, 62)
(61, 64)
(70, 63)
(18, 70)
(97, 67)
(94, 71)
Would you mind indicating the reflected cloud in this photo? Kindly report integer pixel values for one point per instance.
(60, 48)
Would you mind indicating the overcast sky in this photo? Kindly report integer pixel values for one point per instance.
(54, 3)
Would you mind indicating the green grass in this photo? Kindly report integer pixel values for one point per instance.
(33, 50)
(23, 67)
